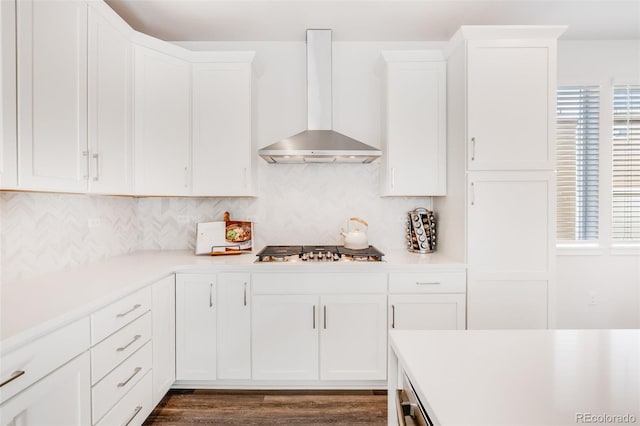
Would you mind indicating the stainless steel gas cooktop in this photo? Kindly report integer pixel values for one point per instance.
(318, 253)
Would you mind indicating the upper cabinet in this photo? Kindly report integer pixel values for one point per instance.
(223, 149)
(162, 155)
(52, 95)
(8, 130)
(510, 100)
(110, 104)
(414, 124)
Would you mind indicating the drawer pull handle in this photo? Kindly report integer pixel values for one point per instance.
(427, 283)
(135, 413)
(136, 337)
(136, 371)
(314, 317)
(14, 376)
(245, 292)
(136, 306)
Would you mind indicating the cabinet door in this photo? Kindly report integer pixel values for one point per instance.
(284, 333)
(510, 247)
(234, 326)
(353, 340)
(427, 311)
(52, 95)
(8, 130)
(195, 327)
(511, 95)
(110, 103)
(222, 149)
(163, 311)
(416, 129)
(63, 398)
(162, 136)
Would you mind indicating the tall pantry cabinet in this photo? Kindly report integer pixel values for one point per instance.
(499, 214)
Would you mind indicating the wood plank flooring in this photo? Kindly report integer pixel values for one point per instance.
(287, 407)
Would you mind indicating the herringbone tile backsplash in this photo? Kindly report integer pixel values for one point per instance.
(297, 204)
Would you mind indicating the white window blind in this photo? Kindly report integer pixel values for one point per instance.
(577, 144)
(626, 163)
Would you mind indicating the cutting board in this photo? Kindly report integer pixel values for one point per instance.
(210, 237)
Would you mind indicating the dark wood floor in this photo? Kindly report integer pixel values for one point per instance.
(299, 407)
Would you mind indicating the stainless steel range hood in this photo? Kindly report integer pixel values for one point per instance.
(320, 143)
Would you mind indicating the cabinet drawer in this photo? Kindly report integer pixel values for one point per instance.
(113, 317)
(119, 346)
(314, 283)
(428, 282)
(35, 360)
(117, 383)
(134, 407)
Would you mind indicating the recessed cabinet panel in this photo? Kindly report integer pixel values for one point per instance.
(507, 304)
(427, 312)
(222, 148)
(196, 314)
(162, 136)
(353, 344)
(52, 95)
(415, 128)
(508, 114)
(110, 108)
(234, 326)
(509, 219)
(284, 335)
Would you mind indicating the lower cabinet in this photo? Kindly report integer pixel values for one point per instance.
(353, 337)
(428, 300)
(62, 398)
(284, 334)
(234, 326)
(333, 329)
(196, 317)
(163, 301)
(427, 311)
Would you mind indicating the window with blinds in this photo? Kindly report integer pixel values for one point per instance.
(577, 162)
(626, 163)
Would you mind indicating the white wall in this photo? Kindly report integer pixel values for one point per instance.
(611, 277)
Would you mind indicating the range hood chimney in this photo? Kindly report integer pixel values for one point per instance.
(320, 143)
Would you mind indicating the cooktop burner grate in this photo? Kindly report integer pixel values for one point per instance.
(325, 253)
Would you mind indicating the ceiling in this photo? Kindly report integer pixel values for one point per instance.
(371, 20)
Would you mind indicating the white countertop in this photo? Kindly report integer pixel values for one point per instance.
(523, 377)
(33, 307)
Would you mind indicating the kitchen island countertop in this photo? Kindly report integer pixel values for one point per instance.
(32, 307)
(522, 377)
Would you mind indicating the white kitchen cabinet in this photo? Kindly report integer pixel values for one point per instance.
(511, 103)
(284, 336)
(162, 127)
(322, 326)
(110, 106)
(8, 121)
(509, 248)
(427, 311)
(234, 326)
(414, 124)
(223, 149)
(499, 215)
(163, 336)
(52, 95)
(196, 315)
(353, 343)
(62, 398)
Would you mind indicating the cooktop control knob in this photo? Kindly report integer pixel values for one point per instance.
(304, 256)
(320, 255)
(311, 255)
(328, 255)
(336, 256)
